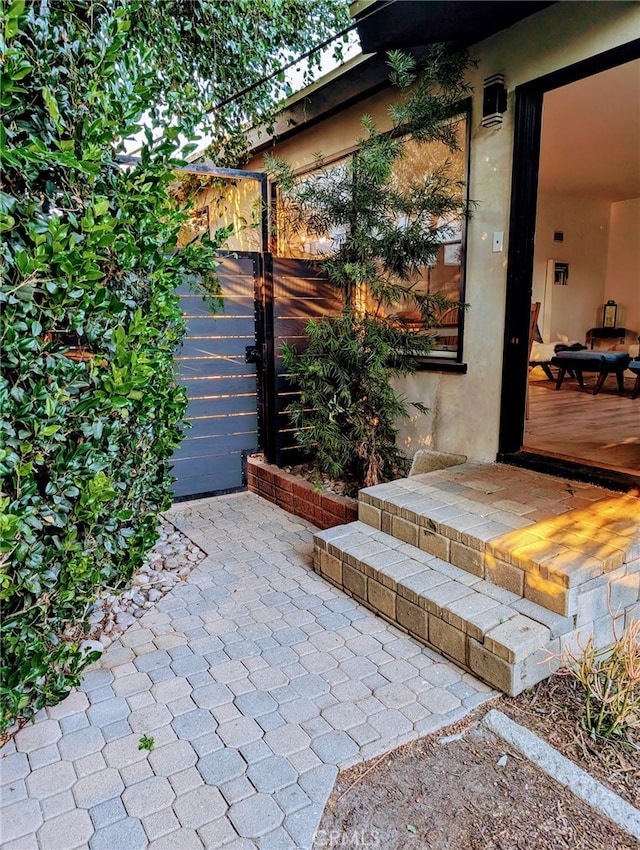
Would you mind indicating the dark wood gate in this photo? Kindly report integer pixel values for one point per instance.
(301, 291)
(221, 379)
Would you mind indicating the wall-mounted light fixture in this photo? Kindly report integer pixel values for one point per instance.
(494, 100)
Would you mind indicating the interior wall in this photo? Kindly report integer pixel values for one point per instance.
(622, 283)
(576, 307)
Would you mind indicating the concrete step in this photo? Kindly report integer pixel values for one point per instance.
(502, 586)
(537, 539)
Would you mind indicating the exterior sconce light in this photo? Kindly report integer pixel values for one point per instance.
(494, 100)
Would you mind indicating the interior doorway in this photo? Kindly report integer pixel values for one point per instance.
(587, 255)
(574, 246)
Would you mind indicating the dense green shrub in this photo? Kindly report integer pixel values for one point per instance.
(91, 411)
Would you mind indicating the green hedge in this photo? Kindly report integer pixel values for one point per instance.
(91, 411)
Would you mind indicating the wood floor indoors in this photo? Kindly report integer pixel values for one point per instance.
(574, 424)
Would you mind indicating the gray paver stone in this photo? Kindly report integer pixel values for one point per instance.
(160, 823)
(95, 678)
(149, 796)
(113, 731)
(221, 767)
(236, 733)
(73, 722)
(98, 788)
(334, 747)
(255, 703)
(287, 739)
(66, 832)
(57, 804)
(271, 774)
(218, 833)
(145, 720)
(237, 789)
(108, 812)
(38, 735)
(299, 710)
(13, 767)
(303, 824)
(199, 806)
(318, 782)
(108, 711)
(439, 701)
(172, 758)
(292, 798)
(194, 724)
(127, 833)
(20, 819)
(27, 842)
(51, 779)
(255, 816)
(343, 716)
(279, 839)
(81, 743)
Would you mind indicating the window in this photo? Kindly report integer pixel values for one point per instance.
(422, 162)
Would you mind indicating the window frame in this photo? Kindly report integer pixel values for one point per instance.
(434, 361)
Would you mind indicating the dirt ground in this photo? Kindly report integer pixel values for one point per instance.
(464, 789)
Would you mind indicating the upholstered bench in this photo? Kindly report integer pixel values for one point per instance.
(634, 367)
(603, 362)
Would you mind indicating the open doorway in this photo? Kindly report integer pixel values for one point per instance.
(587, 255)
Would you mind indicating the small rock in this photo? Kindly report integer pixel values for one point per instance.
(193, 556)
(138, 613)
(449, 738)
(502, 761)
(125, 619)
(154, 595)
(88, 646)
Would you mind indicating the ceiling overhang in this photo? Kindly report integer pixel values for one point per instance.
(400, 24)
(411, 25)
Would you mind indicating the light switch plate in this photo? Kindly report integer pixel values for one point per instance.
(498, 238)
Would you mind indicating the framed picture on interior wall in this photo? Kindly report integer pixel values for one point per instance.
(561, 274)
(609, 314)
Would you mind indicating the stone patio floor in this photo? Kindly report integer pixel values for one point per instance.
(257, 681)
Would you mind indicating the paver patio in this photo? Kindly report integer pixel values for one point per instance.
(256, 679)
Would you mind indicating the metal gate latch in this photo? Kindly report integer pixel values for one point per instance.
(252, 354)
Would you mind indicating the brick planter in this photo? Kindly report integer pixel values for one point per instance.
(298, 496)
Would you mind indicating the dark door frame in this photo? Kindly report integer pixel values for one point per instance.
(522, 223)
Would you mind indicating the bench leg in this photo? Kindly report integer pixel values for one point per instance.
(547, 371)
(580, 379)
(601, 379)
(620, 377)
(636, 387)
(560, 378)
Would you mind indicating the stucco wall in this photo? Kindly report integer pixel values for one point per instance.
(465, 409)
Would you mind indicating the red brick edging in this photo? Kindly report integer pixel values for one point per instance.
(298, 496)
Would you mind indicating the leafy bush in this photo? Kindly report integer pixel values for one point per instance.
(346, 376)
(91, 409)
(610, 679)
(347, 410)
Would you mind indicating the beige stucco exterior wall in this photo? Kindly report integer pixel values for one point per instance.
(465, 409)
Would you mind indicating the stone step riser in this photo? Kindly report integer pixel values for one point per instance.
(545, 572)
(495, 634)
